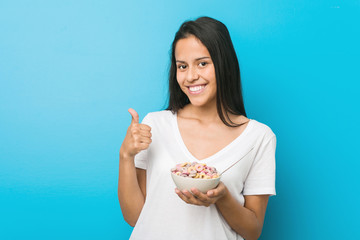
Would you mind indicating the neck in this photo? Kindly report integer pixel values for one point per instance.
(204, 113)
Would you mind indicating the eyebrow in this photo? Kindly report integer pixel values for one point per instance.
(197, 59)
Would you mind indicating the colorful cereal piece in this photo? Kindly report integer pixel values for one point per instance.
(199, 167)
(195, 170)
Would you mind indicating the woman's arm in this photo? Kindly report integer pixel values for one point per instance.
(132, 181)
(131, 189)
(246, 220)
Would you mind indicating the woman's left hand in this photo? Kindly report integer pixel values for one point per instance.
(202, 199)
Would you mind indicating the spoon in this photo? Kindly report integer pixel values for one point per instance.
(237, 161)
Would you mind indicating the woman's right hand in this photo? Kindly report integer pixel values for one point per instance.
(138, 137)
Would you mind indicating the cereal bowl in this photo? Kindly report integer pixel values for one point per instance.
(187, 183)
(189, 175)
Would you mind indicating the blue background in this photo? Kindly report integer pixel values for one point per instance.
(69, 70)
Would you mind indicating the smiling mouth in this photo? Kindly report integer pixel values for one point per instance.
(196, 89)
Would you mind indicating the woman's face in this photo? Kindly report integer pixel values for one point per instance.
(195, 71)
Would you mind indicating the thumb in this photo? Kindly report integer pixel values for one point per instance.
(134, 115)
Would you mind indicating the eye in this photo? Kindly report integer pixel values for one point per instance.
(203, 64)
(181, 66)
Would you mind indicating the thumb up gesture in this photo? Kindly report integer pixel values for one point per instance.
(138, 137)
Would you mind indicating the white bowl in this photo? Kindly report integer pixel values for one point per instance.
(187, 183)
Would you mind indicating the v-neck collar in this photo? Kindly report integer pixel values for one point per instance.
(215, 155)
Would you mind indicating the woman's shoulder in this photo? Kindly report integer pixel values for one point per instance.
(262, 129)
(158, 116)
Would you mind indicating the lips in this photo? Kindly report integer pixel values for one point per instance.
(196, 89)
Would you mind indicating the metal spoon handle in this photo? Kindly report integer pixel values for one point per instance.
(237, 161)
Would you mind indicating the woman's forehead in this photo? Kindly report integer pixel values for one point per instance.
(190, 48)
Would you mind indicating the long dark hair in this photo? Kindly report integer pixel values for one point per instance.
(216, 38)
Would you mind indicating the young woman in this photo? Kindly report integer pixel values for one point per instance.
(205, 122)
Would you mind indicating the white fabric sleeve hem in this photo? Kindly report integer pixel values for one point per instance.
(139, 161)
(264, 191)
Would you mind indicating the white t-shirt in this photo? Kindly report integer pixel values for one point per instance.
(165, 215)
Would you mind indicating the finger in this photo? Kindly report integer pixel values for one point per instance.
(211, 194)
(142, 146)
(191, 198)
(187, 193)
(201, 198)
(145, 133)
(181, 195)
(145, 127)
(137, 130)
(216, 192)
(199, 195)
(145, 139)
(134, 115)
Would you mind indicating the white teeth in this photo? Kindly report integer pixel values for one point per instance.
(196, 88)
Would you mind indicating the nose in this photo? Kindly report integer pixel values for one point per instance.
(192, 74)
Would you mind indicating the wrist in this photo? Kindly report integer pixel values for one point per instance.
(125, 155)
(224, 198)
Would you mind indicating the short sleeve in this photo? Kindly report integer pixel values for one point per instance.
(141, 157)
(261, 177)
